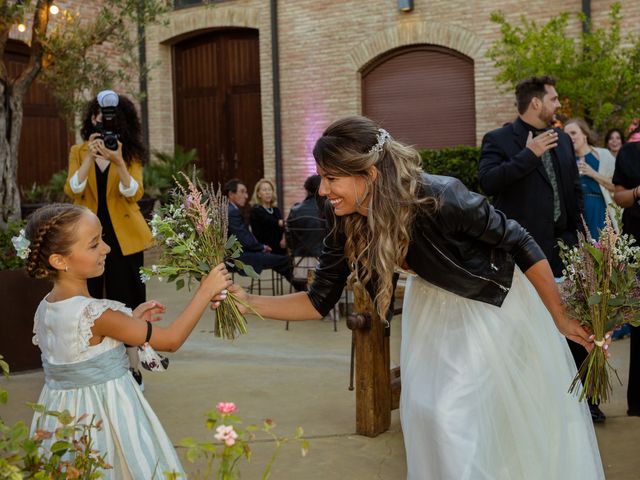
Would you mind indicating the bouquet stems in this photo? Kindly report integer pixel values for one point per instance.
(593, 377)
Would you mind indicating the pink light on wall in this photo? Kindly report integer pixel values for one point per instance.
(314, 123)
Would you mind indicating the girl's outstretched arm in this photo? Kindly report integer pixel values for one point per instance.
(167, 339)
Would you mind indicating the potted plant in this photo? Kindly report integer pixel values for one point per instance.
(20, 296)
(39, 195)
(164, 170)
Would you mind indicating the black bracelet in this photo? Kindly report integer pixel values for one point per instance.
(149, 330)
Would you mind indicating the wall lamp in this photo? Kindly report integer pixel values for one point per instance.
(405, 5)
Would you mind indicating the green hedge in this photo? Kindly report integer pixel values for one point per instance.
(459, 162)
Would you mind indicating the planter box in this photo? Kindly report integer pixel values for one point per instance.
(19, 297)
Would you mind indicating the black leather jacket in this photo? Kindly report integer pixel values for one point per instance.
(466, 247)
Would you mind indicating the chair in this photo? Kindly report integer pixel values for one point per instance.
(275, 284)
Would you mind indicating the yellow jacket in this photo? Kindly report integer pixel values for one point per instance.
(131, 229)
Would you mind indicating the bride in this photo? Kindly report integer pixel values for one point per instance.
(484, 368)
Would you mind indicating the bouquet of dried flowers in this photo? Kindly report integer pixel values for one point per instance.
(601, 291)
(192, 231)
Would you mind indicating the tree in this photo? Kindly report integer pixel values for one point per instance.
(598, 74)
(64, 56)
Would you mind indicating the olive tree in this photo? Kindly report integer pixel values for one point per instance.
(64, 54)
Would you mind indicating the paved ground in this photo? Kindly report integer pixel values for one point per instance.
(300, 377)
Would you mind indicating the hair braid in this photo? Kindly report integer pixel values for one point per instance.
(39, 267)
(48, 231)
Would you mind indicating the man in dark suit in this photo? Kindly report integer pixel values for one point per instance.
(530, 170)
(254, 253)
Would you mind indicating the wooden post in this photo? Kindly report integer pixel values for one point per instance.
(373, 388)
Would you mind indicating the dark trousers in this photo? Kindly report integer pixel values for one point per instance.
(633, 389)
(121, 279)
(261, 261)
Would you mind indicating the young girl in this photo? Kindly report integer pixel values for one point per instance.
(82, 342)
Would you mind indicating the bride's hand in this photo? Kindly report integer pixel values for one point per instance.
(239, 293)
(571, 328)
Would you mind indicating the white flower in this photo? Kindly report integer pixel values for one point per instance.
(226, 434)
(144, 277)
(21, 245)
(154, 268)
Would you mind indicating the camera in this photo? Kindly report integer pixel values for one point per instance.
(107, 128)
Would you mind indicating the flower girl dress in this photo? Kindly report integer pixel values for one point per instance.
(95, 380)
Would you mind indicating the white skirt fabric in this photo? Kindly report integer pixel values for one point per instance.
(484, 390)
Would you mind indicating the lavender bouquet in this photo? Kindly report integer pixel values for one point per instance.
(192, 231)
(601, 291)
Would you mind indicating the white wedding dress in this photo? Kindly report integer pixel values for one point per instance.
(484, 390)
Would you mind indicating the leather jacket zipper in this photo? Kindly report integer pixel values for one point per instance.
(504, 289)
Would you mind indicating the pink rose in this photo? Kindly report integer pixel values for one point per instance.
(226, 407)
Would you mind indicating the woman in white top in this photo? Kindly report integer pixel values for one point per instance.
(596, 167)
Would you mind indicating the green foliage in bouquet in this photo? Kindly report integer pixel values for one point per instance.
(61, 454)
(233, 443)
(192, 230)
(601, 291)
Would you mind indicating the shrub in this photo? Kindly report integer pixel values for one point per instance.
(459, 162)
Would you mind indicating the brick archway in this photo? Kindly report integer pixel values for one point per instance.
(160, 39)
(412, 33)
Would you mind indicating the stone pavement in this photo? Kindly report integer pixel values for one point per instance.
(300, 377)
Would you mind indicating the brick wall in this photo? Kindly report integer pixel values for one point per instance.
(323, 46)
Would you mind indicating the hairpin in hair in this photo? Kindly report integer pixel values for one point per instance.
(21, 245)
(382, 137)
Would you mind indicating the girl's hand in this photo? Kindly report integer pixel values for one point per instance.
(150, 311)
(218, 279)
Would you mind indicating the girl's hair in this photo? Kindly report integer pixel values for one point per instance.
(254, 198)
(50, 230)
(584, 128)
(375, 244)
(610, 133)
(128, 128)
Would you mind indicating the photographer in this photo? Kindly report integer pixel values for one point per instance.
(105, 175)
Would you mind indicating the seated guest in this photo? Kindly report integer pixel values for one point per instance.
(306, 225)
(266, 220)
(256, 254)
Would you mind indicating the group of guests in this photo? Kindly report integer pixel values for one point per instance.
(264, 239)
(550, 179)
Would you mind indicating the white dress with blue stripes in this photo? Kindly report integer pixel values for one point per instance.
(95, 380)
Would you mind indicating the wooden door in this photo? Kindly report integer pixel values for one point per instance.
(424, 95)
(217, 103)
(45, 139)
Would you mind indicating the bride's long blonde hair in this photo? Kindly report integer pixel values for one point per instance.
(375, 243)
